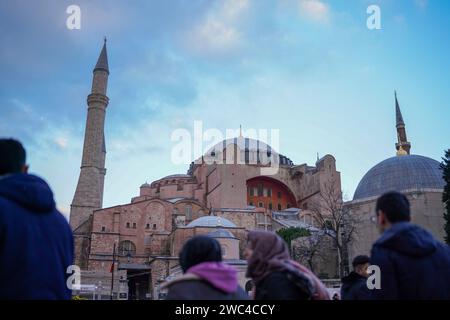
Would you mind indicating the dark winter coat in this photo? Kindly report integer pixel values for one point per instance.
(36, 242)
(207, 281)
(279, 286)
(354, 287)
(187, 288)
(413, 264)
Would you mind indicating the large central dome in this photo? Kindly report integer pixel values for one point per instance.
(400, 173)
(242, 143)
(249, 145)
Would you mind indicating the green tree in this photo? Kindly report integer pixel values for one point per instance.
(445, 166)
(289, 234)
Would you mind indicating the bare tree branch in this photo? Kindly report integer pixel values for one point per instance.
(340, 225)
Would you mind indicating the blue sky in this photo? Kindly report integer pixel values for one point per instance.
(310, 68)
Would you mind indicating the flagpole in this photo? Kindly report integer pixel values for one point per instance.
(112, 273)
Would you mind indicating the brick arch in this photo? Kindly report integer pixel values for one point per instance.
(158, 212)
(276, 188)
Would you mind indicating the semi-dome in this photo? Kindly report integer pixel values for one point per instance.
(400, 173)
(211, 221)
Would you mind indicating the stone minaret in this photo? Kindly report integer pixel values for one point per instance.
(403, 146)
(89, 193)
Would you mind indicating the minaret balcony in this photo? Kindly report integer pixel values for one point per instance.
(97, 98)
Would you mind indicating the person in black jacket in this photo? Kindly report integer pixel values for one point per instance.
(354, 286)
(36, 242)
(275, 275)
(205, 276)
(413, 264)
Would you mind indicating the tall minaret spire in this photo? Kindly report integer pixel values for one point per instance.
(89, 193)
(403, 146)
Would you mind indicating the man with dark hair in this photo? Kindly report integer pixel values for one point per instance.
(413, 265)
(354, 286)
(12, 159)
(36, 242)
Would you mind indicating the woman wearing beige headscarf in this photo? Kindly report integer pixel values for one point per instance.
(275, 275)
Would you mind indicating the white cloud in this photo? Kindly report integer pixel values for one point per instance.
(422, 4)
(314, 10)
(61, 142)
(219, 31)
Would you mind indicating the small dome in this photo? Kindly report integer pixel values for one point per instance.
(211, 221)
(221, 233)
(401, 173)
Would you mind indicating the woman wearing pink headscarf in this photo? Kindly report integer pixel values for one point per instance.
(275, 275)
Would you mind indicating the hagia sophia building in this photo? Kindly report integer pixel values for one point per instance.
(223, 200)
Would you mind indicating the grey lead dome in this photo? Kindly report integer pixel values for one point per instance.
(401, 173)
(211, 221)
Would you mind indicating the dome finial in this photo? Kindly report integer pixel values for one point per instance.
(401, 151)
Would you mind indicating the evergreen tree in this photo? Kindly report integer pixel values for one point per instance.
(289, 234)
(445, 166)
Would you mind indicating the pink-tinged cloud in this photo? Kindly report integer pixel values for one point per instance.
(219, 32)
(314, 10)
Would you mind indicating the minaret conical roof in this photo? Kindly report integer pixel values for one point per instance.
(398, 112)
(102, 62)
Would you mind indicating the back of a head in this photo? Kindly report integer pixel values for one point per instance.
(200, 249)
(265, 241)
(13, 156)
(360, 260)
(395, 206)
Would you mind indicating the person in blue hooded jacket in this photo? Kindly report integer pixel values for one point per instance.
(36, 242)
(413, 264)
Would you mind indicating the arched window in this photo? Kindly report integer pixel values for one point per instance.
(126, 248)
(224, 250)
(188, 212)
